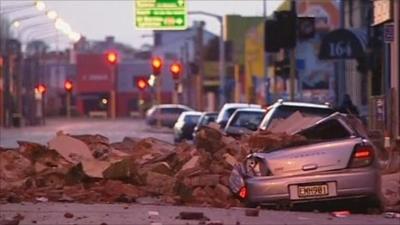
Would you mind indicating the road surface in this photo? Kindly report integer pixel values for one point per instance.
(135, 214)
(115, 130)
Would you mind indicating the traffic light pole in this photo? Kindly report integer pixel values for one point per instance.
(113, 93)
(158, 94)
(292, 53)
(68, 104)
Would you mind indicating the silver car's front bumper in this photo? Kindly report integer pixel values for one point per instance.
(343, 184)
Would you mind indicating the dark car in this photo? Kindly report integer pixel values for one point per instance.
(185, 124)
(204, 120)
(165, 114)
(244, 121)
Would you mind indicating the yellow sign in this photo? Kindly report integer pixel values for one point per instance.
(254, 57)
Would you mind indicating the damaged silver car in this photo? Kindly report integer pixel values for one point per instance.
(337, 162)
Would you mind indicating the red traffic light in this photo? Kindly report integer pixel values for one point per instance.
(156, 64)
(112, 57)
(68, 86)
(176, 70)
(40, 88)
(141, 83)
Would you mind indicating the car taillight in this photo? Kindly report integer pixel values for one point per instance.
(243, 192)
(363, 155)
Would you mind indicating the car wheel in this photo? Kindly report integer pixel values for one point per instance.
(374, 205)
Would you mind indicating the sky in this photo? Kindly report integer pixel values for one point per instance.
(96, 19)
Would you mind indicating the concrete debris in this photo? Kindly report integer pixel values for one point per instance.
(341, 214)
(72, 149)
(192, 216)
(88, 169)
(252, 212)
(68, 215)
(392, 215)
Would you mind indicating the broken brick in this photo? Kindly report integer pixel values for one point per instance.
(68, 215)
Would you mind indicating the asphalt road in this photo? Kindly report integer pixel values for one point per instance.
(135, 214)
(115, 130)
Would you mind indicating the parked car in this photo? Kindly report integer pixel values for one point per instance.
(185, 124)
(204, 120)
(228, 109)
(166, 114)
(283, 109)
(244, 121)
(337, 162)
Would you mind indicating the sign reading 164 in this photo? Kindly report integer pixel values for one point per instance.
(340, 49)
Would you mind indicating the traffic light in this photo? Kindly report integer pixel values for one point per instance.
(141, 83)
(280, 32)
(112, 57)
(156, 64)
(176, 70)
(287, 21)
(68, 86)
(40, 88)
(271, 39)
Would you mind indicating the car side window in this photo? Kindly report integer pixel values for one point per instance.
(171, 111)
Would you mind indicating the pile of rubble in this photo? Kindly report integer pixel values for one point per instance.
(90, 169)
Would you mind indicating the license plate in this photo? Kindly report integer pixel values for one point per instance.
(312, 190)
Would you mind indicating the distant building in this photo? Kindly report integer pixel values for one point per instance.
(95, 81)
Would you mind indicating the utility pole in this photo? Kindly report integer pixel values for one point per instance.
(264, 8)
(341, 82)
(221, 53)
(266, 58)
(292, 58)
(199, 61)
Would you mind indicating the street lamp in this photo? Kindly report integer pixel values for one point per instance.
(16, 24)
(40, 5)
(52, 14)
(221, 52)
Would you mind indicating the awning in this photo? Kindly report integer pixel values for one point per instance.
(343, 44)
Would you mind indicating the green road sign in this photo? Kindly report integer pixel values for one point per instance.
(161, 14)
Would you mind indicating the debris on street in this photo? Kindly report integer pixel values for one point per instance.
(341, 214)
(90, 169)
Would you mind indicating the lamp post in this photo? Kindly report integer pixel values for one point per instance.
(221, 53)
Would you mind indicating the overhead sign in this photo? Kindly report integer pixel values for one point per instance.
(161, 14)
(343, 44)
(382, 11)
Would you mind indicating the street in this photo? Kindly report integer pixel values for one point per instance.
(231, 111)
(133, 214)
(115, 130)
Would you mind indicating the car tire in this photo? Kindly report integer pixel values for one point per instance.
(374, 205)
